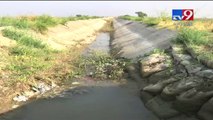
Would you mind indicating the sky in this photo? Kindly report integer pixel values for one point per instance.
(102, 8)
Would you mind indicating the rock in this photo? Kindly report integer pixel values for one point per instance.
(185, 57)
(20, 98)
(192, 52)
(153, 63)
(206, 111)
(185, 62)
(147, 70)
(177, 48)
(192, 69)
(176, 57)
(157, 88)
(153, 59)
(135, 75)
(192, 100)
(181, 57)
(145, 96)
(206, 62)
(209, 64)
(161, 108)
(180, 69)
(181, 86)
(183, 117)
(156, 77)
(205, 73)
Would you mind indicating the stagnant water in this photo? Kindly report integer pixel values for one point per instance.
(101, 44)
(103, 100)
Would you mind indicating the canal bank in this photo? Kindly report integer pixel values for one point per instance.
(88, 98)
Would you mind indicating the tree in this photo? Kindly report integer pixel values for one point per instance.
(141, 14)
(78, 15)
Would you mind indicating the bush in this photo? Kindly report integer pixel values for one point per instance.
(141, 14)
(151, 21)
(39, 27)
(21, 23)
(46, 20)
(7, 21)
(189, 36)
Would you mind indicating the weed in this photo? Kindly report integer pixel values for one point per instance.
(198, 41)
(23, 65)
(103, 66)
(40, 23)
(151, 21)
(189, 36)
(22, 23)
(29, 56)
(22, 38)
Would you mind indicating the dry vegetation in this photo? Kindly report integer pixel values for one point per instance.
(30, 51)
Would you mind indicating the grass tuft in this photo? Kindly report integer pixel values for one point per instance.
(39, 23)
(22, 38)
(189, 36)
(29, 56)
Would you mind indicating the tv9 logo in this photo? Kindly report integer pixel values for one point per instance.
(182, 14)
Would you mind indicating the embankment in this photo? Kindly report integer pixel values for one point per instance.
(71, 38)
(174, 85)
(74, 33)
(133, 39)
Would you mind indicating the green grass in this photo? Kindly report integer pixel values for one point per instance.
(199, 41)
(12, 21)
(133, 18)
(189, 36)
(22, 38)
(39, 23)
(29, 56)
(23, 66)
(150, 21)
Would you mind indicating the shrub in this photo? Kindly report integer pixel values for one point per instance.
(141, 14)
(46, 20)
(7, 21)
(151, 21)
(190, 36)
